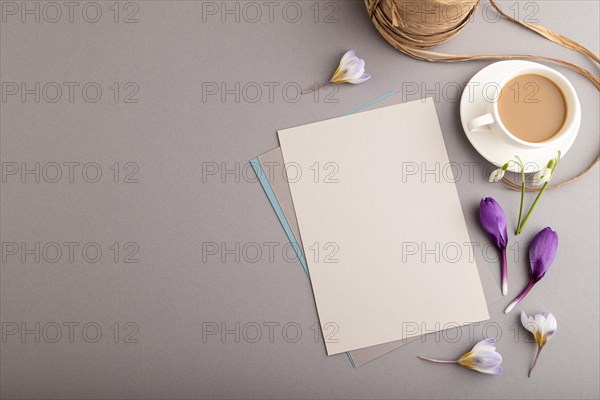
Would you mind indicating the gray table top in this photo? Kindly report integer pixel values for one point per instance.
(153, 169)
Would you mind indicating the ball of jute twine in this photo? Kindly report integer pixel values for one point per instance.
(415, 26)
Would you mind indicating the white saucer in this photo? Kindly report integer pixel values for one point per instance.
(494, 147)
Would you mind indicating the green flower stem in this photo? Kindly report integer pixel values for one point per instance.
(537, 198)
(522, 194)
(521, 225)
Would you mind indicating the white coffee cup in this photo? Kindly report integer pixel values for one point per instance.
(492, 123)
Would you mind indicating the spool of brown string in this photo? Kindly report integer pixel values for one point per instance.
(415, 26)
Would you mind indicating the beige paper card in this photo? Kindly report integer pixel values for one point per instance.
(387, 248)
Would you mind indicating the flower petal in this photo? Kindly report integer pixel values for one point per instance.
(361, 79)
(542, 176)
(542, 252)
(527, 322)
(539, 320)
(497, 370)
(550, 325)
(354, 69)
(487, 359)
(496, 175)
(348, 55)
(485, 345)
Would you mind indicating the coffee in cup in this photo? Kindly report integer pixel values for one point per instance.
(532, 107)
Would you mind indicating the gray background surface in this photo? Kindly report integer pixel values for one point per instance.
(171, 134)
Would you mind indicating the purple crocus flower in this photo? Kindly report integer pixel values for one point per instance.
(493, 221)
(541, 255)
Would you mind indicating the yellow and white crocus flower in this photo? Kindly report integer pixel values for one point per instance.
(482, 358)
(351, 70)
(543, 327)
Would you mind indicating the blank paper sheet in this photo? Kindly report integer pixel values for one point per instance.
(386, 243)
